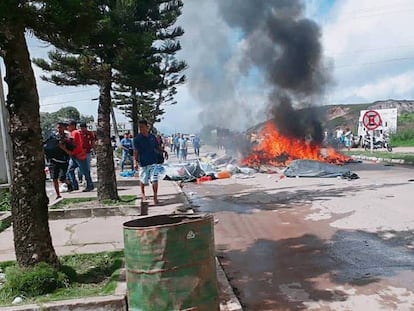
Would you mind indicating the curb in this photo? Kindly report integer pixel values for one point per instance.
(386, 160)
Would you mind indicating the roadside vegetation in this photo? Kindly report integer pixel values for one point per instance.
(405, 134)
(81, 275)
(5, 198)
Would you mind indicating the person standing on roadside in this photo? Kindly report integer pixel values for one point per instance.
(79, 159)
(196, 145)
(88, 139)
(58, 149)
(176, 144)
(348, 139)
(145, 159)
(182, 143)
(127, 151)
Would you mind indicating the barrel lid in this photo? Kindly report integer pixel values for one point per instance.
(162, 220)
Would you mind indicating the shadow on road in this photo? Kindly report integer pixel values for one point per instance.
(291, 274)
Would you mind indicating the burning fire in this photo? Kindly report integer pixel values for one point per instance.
(277, 150)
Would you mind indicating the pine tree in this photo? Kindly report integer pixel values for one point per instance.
(140, 101)
(122, 35)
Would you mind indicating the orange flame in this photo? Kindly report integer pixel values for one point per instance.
(277, 150)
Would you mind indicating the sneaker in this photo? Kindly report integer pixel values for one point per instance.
(87, 189)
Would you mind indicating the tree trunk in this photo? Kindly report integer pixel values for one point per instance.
(107, 188)
(115, 125)
(134, 112)
(32, 239)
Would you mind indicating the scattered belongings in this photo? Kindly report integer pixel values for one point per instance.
(130, 173)
(313, 168)
(206, 169)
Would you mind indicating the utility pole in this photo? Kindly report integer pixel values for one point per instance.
(5, 144)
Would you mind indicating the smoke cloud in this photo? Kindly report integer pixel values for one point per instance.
(286, 47)
(253, 60)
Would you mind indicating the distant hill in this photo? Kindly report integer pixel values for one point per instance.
(347, 115)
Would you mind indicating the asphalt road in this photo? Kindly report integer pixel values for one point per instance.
(316, 243)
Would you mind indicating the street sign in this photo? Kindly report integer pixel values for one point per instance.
(371, 120)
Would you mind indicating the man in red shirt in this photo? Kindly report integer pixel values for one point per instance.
(88, 139)
(79, 159)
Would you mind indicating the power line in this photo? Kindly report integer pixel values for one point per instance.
(376, 8)
(67, 102)
(63, 94)
(373, 50)
(377, 62)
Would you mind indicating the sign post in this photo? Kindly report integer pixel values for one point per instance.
(372, 120)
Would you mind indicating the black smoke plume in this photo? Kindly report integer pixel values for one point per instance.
(286, 47)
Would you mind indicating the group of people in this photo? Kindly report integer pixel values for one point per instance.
(71, 148)
(179, 143)
(346, 138)
(67, 150)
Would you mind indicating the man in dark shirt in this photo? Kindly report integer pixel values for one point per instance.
(58, 149)
(146, 150)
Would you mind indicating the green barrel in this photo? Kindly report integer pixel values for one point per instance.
(170, 263)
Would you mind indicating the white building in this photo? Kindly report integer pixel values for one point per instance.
(123, 127)
(388, 118)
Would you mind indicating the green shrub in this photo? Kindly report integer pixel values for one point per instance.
(5, 200)
(403, 138)
(29, 282)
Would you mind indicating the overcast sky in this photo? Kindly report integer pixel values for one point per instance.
(368, 48)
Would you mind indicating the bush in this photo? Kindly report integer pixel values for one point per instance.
(403, 138)
(29, 282)
(5, 200)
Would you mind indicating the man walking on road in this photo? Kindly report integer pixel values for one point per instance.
(145, 159)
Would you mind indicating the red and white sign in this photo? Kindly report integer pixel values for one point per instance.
(371, 120)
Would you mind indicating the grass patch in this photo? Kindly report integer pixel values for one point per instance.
(74, 202)
(82, 275)
(71, 201)
(125, 200)
(407, 157)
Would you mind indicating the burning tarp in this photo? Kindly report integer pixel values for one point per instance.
(312, 168)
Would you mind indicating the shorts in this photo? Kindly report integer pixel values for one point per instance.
(149, 173)
(58, 170)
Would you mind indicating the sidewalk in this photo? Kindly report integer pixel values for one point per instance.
(86, 234)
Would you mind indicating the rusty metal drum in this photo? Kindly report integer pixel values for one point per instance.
(170, 263)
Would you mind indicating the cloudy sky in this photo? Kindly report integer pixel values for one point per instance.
(367, 51)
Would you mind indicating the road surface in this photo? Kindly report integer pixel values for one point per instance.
(316, 243)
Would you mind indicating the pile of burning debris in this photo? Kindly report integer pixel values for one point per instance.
(271, 153)
(278, 150)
